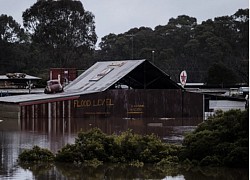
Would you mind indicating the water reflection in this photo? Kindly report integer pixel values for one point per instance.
(61, 126)
(19, 134)
(67, 171)
(71, 126)
(12, 143)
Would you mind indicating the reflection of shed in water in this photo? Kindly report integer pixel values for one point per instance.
(122, 90)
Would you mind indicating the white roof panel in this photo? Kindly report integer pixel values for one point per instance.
(102, 75)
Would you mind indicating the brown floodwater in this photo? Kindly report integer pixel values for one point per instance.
(17, 135)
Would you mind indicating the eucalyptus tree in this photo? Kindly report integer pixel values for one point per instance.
(220, 74)
(10, 30)
(241, 63)
(107, 47)
(12, 44)
(63, 28)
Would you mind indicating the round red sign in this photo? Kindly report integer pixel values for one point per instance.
(183, 77)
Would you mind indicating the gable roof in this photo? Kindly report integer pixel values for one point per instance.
(135, 74)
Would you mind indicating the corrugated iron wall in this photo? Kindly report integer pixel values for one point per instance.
(169, 107)
(144, 111)
(114, 111)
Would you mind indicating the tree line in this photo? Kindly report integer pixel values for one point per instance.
(62, 34)
(215, 51)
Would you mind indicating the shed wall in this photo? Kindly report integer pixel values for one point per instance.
(169, 107)
(113, 111)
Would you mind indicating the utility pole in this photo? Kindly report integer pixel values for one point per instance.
(132, 48)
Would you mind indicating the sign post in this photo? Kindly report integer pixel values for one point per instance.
(183, 80)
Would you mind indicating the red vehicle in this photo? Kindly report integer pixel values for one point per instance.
(53, 86)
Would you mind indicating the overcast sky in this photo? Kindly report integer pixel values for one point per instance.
(118, 16)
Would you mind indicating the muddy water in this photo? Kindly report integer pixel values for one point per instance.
(17, 135)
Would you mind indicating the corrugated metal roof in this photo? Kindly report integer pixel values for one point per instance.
(102, 75)
(98, 77)
(36, 97)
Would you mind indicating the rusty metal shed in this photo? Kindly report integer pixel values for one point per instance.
(116, 90)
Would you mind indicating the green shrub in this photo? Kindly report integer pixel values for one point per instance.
(93, 144)
(146, 149)
(221, 140)
(199, 145)
(136, 163)
(238, 157)
(210, 161)
(168, 161)
(126, 148)
(36, 154)
(93, 163)
(69, 154)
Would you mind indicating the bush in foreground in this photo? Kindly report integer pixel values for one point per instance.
(220, 141)
(36, 154)
(94, 147)
(125, 148)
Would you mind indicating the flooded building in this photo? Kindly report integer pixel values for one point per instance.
(133, 93)
(116, 96)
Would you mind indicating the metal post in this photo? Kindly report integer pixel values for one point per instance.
(49, 118)
(132, 48)
(145, 78)
(153, 56)
(29, 86)
(182, 106)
